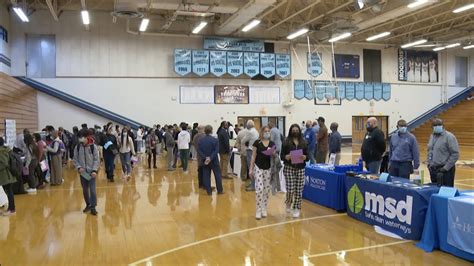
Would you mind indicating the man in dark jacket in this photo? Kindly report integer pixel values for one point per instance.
(224, 149)
(373, 146)
(208, 150)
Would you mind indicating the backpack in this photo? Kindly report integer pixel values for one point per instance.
(91, 147)
(15, 165)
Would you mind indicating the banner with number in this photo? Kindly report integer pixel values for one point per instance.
(386, 91)
(235, 63)
(350, 91)
(200, 62)
(218, 63)
(342, 89)
(182, 61)
(359, 90)
(368, 91)
(251, 64)
(283, 65)
(298, 88)
(267, 65)
(320, 89)
(308, 90)
(315, 67)
(378, 91)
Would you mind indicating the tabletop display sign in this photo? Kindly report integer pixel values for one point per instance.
(315, 66)
(10, 132)
(448, 192)
(251, 64)
(267, 65)
(234, 44)
(200, 62)
(332, 159)
(231, 94)
(218, 63)
(298, 88)
(182, 61)
(235, 63)
(283, 65)
(384, 177)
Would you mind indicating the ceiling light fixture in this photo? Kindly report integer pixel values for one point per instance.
(414, 43)
(144, 24)
(439, 49)
(360, 3)
(251, 25)
(463, 8)
(297, 34)
(85, 17)
(378, 36)
(21, 14)
(199, 27)
(340, 37)
(425, 45)
(417, 3)
(453, 45)
(468, 47)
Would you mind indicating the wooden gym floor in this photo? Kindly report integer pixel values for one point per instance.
(162, 218)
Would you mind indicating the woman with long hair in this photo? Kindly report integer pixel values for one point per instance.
(260, 170)
(55, 155)
(126, 149)
(294, 168)
(39, 172)
(32, 160)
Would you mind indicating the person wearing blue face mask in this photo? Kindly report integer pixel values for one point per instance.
(373, 146)
(443, 152)
(404, 153)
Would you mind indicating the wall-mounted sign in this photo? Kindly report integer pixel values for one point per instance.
(200, 62)
(315, 66)
(283, 65)
(231, 94)
(235, 63)
(233, 44)
(251, 64)
(417, 66)
(182, 61)
(267, 65)
(347, 66)
(218, 63)
(10, 132)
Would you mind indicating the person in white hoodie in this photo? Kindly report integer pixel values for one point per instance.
(248, 140)
(126, 149)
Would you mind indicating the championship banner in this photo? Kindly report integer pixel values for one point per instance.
(350, 91)
(368, 91)
(200, 62)
(298, 88)
(378, 91)
(218, 63)
(235, 63)
(233, 44)
(283, 65)
(267, 65)
(330, 89)
(342, 89)
(417, 66)
(386, 91)
(251, 64)
(320, 89)
(308, 90)
(182, 61)
(315, 67)
(231, 94)
(359, 91)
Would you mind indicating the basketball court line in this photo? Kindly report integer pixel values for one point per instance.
(231, 234)
(124, 184)
(463, 184)
(354, 249)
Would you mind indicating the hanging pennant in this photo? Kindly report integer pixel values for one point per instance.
(298, 88)
(283, 65)
(359, 91)
(235, 63)
(386, 91)
(267, 65)
(330, 89)
(368, 91)
(218, 63)
(350, 91)
(378, 91)
(342, 89)
(251, 64)
(182, 61)
(308, 90)
(320, 89)
(200, 62)
(315, 67)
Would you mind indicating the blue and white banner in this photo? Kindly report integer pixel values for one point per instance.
(378, 91)
(350, 91)
(298, 88)
(182, 61)
(233, 44)
(308, 90)
(461, 223)
(267, 65)
(315, 67)
(235, 63)
(200, 62)
(386, 91)
(368, 91)
(320, 89)
(218, 63)
(342, 89)
(359, 91)
(331, 89)
(283, 65)
(251, 64)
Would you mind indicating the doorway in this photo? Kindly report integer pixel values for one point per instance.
(278, 121)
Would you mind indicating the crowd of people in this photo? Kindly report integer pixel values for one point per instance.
(38, 158)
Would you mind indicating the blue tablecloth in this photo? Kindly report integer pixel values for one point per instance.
(398, 206)
(325, 187)
(435, 231)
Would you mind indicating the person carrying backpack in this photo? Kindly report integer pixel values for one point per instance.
(6, 178)
(86, 161)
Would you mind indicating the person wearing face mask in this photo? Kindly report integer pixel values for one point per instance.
(110, 151)
(224, 148)
(248, 140)
(126, 148)
(443, 152)
(169, 142)
(260, 170)
(54, 153)
(404, 155)
(310, 138)
(86, 161)
(373, 146)
(294, 171)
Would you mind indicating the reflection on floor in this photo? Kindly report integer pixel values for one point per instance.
(162, 218)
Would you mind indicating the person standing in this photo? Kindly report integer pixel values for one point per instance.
(373, 146)
(6, 178)
(41, 158)
(110, 151)
(150, 144)
(224, 149)
(260, 170)
(404, 156)
(323, 145)
(276, 136)
(294, 170)
(208, 150)
(335, 141)
(242, 151)
(32, 161)
(316, 131)
(86, 161)
(443, 153)
(310, 138)
(56, 166)
(184, 138)
(126, 149)
(194, 132)
(248, 140)
(169, 144)
(197, 138)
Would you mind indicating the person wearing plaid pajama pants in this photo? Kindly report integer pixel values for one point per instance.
(294, 171)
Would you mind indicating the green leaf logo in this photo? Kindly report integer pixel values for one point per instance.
(355, 199)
